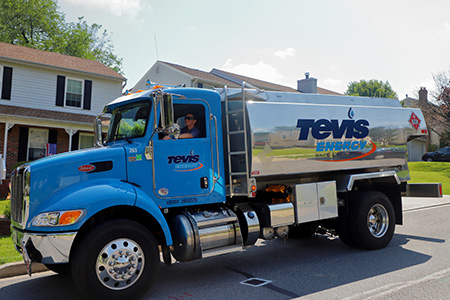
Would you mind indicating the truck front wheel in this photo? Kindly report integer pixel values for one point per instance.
(118, 259)
(372, 220)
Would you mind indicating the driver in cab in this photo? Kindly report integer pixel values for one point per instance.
(189, 131)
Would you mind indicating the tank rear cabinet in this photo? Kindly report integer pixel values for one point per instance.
(315, 201)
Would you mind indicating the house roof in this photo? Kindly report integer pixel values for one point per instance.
(256, 82)
(235, 80)
(200, 74)
(56, 60)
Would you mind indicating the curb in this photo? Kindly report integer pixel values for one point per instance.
(19, 268)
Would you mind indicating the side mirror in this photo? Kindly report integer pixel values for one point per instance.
(98, 139)
(173, 131)
(167, 118)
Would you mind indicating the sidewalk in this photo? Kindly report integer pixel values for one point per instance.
(18, 268)
(409, 203)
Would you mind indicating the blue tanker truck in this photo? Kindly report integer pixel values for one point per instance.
(257, 165)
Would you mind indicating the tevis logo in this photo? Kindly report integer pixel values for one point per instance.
(183, 159)
(323, 128)
(183, 163)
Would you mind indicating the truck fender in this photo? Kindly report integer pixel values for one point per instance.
(91, 196)
(146, 203)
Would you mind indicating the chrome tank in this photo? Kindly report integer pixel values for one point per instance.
(339, 133)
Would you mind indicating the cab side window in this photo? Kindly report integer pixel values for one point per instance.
(191, 119)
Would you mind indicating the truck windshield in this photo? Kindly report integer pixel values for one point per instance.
(129, 121)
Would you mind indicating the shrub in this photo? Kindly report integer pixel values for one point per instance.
(432, 148)
(7, 210)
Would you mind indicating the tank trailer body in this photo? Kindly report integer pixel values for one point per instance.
(266, 165)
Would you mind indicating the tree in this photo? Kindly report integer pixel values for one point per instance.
(437, 111)
(40, 25)
(371, 88)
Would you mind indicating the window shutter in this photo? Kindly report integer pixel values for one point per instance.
(75, 141)
(60, 88)
(6, 83)
(23, 144)
(87, 94)
(53, 136)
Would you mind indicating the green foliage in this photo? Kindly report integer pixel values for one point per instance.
(138, 129)
(7, 210)
(432, 148)
(8, 253)
(371, 88)
(40, 25)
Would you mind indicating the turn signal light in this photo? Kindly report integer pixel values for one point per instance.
(69, 217)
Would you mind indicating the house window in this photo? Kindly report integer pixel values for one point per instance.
(205, 86)
(86, 141)
(74, 92)
(37, 141)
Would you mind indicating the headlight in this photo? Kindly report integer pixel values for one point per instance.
(58, 218)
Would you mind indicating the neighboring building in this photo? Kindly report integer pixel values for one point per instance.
(172, 74)
(418, 147)
(49, 101)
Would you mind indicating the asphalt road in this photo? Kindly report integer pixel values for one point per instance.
(415, 265)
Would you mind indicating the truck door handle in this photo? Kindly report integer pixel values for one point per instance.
(204, 182)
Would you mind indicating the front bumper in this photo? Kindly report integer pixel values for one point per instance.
(46, 248)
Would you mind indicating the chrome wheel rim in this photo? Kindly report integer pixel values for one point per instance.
(120, 264)
(378, 220)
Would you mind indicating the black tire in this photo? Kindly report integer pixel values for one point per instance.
(343, 231)
(372, 220)
(429, 159)
(61, 269)
(118, 259)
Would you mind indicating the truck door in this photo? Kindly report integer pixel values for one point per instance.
(183, 168)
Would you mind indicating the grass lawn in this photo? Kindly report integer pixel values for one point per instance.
(7, 251)
(424, 172)
(3, 204)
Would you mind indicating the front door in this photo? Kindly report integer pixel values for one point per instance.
(183, 168)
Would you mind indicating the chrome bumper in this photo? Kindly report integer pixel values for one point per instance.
(46, 248)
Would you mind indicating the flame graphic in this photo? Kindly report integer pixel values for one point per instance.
(350, 113)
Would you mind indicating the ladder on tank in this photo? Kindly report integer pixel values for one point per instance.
(237, 143)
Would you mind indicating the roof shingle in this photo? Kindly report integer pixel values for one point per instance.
(56, 60)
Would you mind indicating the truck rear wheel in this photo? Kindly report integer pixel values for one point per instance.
(372, 220)
(116, 260)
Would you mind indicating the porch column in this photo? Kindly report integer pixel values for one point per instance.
(8, 126)
(70, 132)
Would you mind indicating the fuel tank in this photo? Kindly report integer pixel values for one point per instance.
(294, 133)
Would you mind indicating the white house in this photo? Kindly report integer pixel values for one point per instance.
(172, 74)
(48, 102)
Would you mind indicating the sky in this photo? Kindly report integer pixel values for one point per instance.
(404, 42)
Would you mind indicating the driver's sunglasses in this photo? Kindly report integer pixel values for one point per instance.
(189, 118)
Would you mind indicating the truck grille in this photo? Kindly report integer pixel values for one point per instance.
(17, 196)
